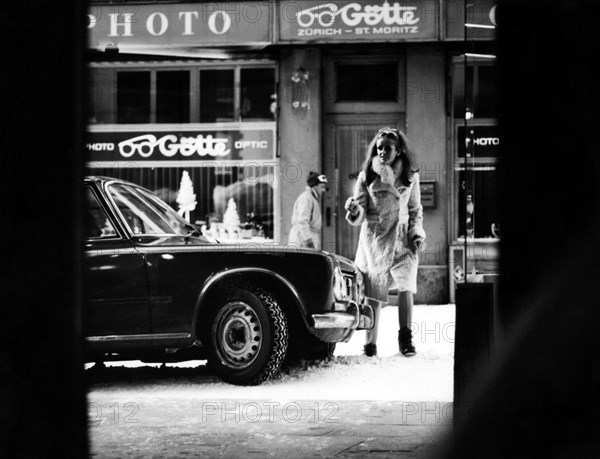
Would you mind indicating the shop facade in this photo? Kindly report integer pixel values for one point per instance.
(243, 99)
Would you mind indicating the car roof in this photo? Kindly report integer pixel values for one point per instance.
(102, 179)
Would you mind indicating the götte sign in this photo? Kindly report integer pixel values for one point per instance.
(177, 145)
(356, 21)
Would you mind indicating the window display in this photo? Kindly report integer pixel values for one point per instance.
(202, 136)
(231, 202)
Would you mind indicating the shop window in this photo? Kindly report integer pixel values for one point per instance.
(258, 94)
(481, 98)
(216, 95)
(368, 82)
(476, 181)
(173, 96)
(133, 97)
(476, 150)
(481, 198)
(243, 195)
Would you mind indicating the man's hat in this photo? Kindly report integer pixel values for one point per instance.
(314, 178)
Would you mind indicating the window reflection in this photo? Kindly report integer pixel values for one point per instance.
(251, 187)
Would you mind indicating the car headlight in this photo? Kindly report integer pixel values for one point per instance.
(339, 284)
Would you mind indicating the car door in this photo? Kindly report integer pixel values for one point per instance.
(116, 303)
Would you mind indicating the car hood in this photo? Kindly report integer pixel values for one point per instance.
(345, 263)
(199, 244)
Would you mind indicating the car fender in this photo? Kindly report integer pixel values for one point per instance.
(213, 280)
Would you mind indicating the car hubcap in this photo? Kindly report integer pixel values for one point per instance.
(238, 335)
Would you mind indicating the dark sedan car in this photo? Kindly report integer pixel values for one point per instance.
(158, 290)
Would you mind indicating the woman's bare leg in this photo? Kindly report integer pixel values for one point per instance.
(373, 332)
(405, 307)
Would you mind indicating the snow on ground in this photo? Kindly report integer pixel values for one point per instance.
(349, 376)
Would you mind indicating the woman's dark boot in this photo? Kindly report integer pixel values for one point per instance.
(407, 347)
(370, 349)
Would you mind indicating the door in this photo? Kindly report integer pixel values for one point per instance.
(116, 302)
(362, 93)
(346, 140)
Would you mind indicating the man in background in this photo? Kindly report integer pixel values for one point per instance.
(306, 215)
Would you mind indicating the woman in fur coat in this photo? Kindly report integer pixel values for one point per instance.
(387, 206)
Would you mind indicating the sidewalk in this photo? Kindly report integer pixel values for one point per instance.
(353, 406)
(233, 429)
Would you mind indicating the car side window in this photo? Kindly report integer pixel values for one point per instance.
(97, 223)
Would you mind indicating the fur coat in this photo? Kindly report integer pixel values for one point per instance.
(393, 216)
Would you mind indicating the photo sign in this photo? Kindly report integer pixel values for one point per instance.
(128, 26)
(486, 142)
(332, 21)
(178, 145)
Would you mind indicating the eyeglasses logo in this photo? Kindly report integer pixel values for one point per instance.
(353, 14)
(167, 145)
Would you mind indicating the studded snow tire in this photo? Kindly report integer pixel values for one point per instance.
(248, 337)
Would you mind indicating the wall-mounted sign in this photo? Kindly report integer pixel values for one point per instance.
(177, 145)
(483, 141)
(339, 21)
(481, 12)
(128, 26)
(427, 194)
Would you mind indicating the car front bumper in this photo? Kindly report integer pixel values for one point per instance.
(339, 326)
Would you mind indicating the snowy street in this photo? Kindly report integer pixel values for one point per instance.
(354, 405)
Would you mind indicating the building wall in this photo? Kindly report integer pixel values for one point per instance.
(426, 130)
(300, 145)
(299, 130)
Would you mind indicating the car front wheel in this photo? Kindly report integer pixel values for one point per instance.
(248, 337)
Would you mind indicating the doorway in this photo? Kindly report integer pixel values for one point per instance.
(361, 94)
(346, 139)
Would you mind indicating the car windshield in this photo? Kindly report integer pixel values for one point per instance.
(146, 214)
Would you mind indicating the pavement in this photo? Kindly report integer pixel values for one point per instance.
(266, 428)
(142, 412)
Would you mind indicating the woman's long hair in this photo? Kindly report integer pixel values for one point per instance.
(405, 155)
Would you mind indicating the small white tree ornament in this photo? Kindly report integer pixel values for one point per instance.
(231, 218)
(186, 197)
